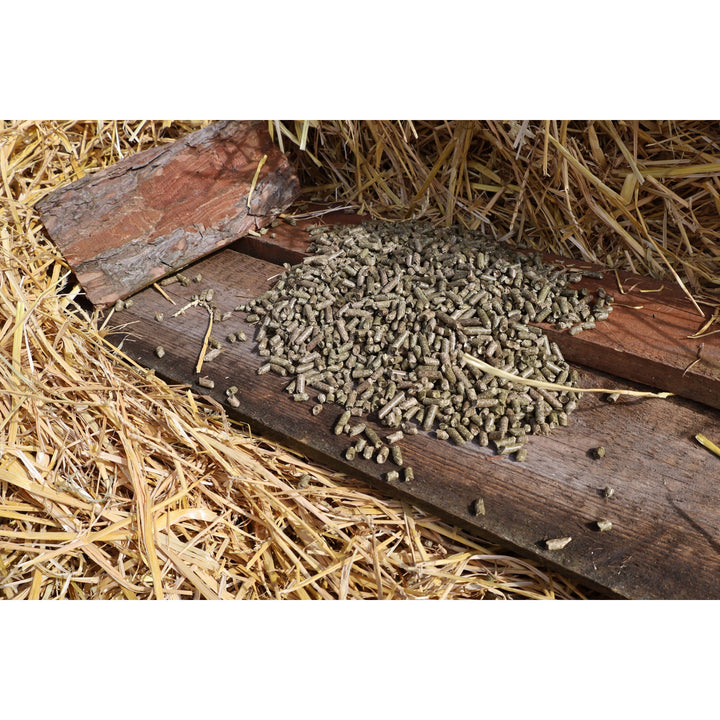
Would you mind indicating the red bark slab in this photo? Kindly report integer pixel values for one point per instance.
(153, 213)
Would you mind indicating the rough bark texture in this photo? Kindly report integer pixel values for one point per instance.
(151, 214)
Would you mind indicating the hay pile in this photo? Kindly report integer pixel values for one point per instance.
(640, 195)
(114, 485)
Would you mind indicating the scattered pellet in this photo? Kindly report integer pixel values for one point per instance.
(373, 437)
(160, 351)
(342, 422)
(356, 429)
(603, 525)
(396, 454)
(557, 543)
(206, 382)
(598, 452)
(392, 475)
(478, 507)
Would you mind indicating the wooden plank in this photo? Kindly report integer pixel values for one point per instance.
(665, 541)
(646, 338)
(128, 225)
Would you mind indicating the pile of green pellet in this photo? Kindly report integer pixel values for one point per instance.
(378, 317)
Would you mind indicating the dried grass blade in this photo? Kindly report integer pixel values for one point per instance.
(481, 365)
(709, 444)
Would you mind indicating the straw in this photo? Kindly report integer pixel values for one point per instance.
(602, 191)
(517, 379)
(114, 484)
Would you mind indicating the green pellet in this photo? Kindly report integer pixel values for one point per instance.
(396, 453)
(455, 436)
(373, 437)
(342, 422)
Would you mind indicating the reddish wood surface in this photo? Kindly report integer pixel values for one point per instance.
(665, 541)
(128, 225)
(646, 338)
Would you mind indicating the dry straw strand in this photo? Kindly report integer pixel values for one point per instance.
(115, 485)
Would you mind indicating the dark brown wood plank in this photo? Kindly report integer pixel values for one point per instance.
(665, 541)
(646, 339)
(126, 226)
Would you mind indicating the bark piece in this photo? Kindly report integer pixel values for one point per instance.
(151, 214)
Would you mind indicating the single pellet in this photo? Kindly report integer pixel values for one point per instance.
(373, 437)
(356, 429)
(396, 453)
(557, 543)
(390, 405)
(342, 422)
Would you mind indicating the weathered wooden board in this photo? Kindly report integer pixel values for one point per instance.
(646, 339)
(665, 541)
(126, 226)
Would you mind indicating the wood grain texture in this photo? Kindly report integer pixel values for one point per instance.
(665, 540)
(128, 225)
